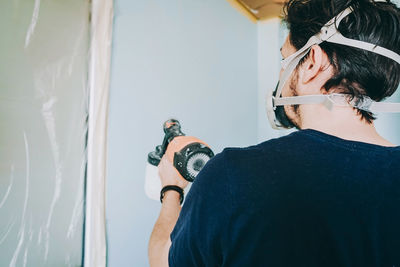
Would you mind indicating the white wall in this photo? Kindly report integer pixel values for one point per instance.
(193, 60)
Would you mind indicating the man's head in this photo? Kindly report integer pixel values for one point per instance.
(335, 68)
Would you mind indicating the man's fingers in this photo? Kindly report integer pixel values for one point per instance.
(169, 174)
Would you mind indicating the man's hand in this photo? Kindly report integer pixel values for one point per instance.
(169, 175)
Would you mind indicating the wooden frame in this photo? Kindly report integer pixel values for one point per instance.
(258, 10)
(243, 10)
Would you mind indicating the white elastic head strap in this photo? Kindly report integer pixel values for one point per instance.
(365, 103)
(329, 33)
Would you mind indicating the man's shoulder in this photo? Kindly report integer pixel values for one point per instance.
(279, 144)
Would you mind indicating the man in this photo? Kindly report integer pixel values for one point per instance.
(326, 195)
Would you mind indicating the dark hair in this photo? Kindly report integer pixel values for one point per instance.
(357, 72)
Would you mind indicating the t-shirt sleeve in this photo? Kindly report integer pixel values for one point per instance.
(199, 231)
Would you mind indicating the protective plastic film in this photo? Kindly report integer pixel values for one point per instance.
(43, 120)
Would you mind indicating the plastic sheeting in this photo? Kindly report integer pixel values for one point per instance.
(43, 119)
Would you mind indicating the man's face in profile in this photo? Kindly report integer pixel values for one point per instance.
(289, 89)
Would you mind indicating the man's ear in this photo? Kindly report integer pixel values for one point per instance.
(314, 64)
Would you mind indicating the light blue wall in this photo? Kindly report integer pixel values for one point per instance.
(388, 125)
(193, 60)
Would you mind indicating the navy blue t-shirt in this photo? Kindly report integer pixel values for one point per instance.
(306, 199)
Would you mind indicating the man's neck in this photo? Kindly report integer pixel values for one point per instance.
(341, 122)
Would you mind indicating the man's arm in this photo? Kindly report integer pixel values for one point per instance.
(160, 241)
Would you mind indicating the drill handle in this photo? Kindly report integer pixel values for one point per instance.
(172, 129)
